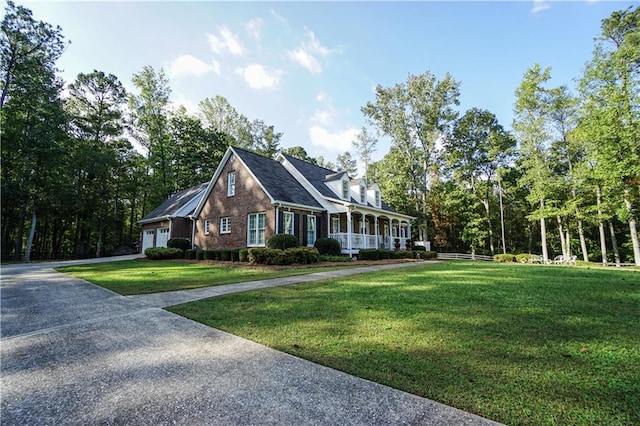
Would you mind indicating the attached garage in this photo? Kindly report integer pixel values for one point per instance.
(147, 239)
(162, 236)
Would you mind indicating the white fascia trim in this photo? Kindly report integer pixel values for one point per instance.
(369, 210)
(187, 207)
(278, 203)
(154, 219)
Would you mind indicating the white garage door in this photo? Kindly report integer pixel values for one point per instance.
(147, 239)
(163, 237)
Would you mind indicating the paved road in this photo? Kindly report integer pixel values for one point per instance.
(74, 353)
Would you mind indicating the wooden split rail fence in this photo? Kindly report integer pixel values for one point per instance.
(464, 256)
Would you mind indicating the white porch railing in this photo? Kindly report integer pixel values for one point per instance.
(365, 241)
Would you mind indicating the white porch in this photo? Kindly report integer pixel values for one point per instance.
(356, 230)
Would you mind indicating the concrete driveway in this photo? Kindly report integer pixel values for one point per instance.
(74, 353)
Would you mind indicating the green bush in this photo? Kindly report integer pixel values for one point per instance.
(243, 255)
(325, 258)
(181, 243)
(190, 253)
(210, 254)
(269, 256)
(504, 258)
(200, 254)
(369, 254)
(160, 253)
(328, 246)
(429, 255)
(225, 255)
(282, 241)
(235, 255)
(525, 257)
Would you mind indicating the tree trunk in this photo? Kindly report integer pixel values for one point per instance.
(23, 217)
(485, 203)
(563, 242)
(614, 243)
(504, 244)
(583, 242)
(32, 232)
(543, 235)
(633, 230)
(603, 241)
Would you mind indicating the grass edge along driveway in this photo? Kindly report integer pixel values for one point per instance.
(144, 277)
(519, 344)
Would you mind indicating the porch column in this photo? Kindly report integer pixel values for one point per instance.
(328, 224)
(349, 226)
(409, 230)
(377, 232)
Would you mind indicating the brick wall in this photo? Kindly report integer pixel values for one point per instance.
(249, 198)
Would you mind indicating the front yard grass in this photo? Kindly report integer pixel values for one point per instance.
(519, 344)
(143, 277)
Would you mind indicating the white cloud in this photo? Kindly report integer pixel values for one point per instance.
(253, 27)
(225, 41)
(333, 141)
(540, 5)
(305, 55)
(305, 60)
(259, 77)
(321, 97)
(191, 107)
(190, 65)
(325, 117)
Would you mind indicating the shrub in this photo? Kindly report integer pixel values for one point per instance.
(269, 256)
(210, 254)
(325, 258)
(225, 255)
(159, 253)
(504, 258)
(190, 253)
(386, 254)
(243, 255)
(429, 255)
(403, 254)
(524, 257)
(200, 254)
(235, 255)
(369, 254)
(282, 241)
(181, 243)
(328, 246)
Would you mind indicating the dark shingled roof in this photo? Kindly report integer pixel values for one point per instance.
(277, 181)
(317, 176)
(177, 201)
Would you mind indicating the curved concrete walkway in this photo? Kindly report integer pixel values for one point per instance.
(75, 353)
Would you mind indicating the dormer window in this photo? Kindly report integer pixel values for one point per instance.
(345, 189)
(363, 194)
(377, 198)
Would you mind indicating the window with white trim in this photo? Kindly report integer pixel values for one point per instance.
(231, 183)
(225, 225)
(256, 228)
(345, 189)
(287, 223)
(377, 198)
(363, 194)
(206, 227)
(335, 225)
(311, 230)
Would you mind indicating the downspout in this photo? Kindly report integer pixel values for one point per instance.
(193, 232)
(277, 215)
(170, 228)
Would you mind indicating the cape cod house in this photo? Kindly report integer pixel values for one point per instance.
(251, 197)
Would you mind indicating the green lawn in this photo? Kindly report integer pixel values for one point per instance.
(142, 277)
(520, 344)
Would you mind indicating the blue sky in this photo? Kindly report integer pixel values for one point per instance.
(307, 68)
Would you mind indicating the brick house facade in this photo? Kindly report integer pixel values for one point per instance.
(251, 197)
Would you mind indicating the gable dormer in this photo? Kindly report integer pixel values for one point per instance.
(359, 190)
(340, 184)
(374, 195)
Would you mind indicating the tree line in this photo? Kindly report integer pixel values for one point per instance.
(80, 169)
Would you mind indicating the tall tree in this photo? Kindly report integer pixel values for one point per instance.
(477, 148)
(415, 115)
(347, 163)
(365, 145)
(531, 127)
(25, 44)
(610, 117)
(95, 106)
(265, 140)
(32, 122)
(149, 112)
